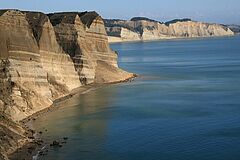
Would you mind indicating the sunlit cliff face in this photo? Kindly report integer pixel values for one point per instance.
(135, 30)
(44, 57)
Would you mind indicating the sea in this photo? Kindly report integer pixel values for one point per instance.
(184, 105)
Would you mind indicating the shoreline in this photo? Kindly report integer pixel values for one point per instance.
(167, 39)
(34, 145)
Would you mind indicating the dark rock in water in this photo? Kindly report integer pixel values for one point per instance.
(56, 144)
(41, 153)
(65, 138)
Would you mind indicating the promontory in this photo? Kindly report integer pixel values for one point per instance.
(43, 57)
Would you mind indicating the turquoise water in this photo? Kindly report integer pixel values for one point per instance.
(184, 106)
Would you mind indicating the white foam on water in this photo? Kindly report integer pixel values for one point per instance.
(37, 155)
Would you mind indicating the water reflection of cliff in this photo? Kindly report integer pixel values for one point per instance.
(84, 119)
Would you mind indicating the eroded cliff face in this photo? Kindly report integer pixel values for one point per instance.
(143, 29)
(83, 36)
(24, 84)
(122, 34)
(44, 57)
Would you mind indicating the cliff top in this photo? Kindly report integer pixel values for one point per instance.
(177, 20)
(2, 12)
(143, 19)
(68, 17)
(109, 21)
(234, 28)
(88, 17)
(62, 17)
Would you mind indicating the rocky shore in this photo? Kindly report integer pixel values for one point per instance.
(44, 59)
(36, 147)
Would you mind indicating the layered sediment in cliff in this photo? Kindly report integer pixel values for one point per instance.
(44, 57)
(145, 29)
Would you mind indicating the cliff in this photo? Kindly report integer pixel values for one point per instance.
(140, 28)
(44, 57)
(234, 28)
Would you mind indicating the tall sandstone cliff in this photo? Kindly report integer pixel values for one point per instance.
(145, 29)
(44, 57)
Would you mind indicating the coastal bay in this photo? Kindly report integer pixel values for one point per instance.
(74, 85)
(184, 105)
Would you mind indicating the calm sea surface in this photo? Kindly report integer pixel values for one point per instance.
(184, 106)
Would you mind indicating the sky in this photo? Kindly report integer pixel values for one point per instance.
(216, 11)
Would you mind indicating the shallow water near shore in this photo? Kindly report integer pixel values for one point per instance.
(185, 105)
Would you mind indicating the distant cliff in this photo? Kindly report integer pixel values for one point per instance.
(234, 28)
(140, 28)
(44, 57)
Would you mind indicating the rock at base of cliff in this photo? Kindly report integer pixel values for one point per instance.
(106, 73)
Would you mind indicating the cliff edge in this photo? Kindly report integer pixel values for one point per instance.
(44, 57)
(142, 29)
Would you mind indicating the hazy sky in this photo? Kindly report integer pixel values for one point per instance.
(220, 11)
